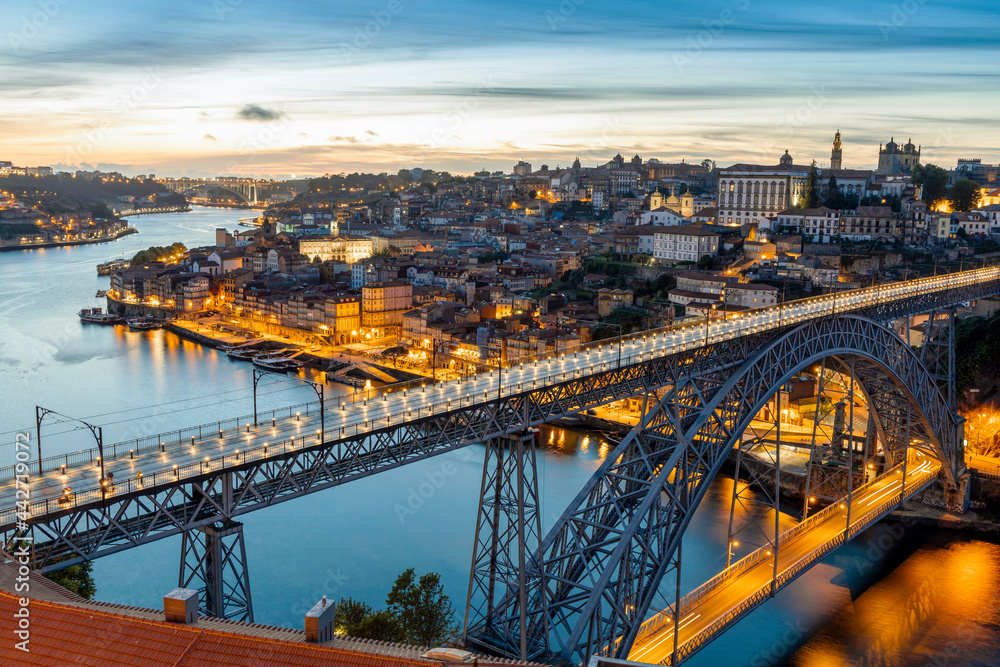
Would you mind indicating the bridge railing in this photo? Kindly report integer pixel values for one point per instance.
(662, 620)
(746, 321)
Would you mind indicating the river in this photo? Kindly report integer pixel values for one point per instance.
(895, 596)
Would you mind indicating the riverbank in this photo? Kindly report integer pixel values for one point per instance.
(18, 245)
(215, 332)
(153, 210)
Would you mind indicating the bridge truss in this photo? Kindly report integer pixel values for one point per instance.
(606, 556)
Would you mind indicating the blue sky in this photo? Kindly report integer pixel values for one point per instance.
(207, 87)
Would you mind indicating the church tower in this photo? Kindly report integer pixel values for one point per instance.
(837, 157)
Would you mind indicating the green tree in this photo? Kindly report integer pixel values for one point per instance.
(706, 262)
(934, 180)
(76, 579)
(381, 625)
(832, 198)
(422, 608)
(349, 615)
(394, 353)
(810, 194)
(965, 195)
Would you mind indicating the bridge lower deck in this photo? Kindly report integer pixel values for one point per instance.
(709, 610)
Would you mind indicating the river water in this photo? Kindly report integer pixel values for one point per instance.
(895, 596)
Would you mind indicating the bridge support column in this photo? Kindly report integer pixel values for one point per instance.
(214, 562)
(507, 547)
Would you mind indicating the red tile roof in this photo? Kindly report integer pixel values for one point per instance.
(68, 635)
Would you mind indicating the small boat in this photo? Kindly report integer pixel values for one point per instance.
(277, 364)
(101, 293)
(349, 380)
(140, 324)
(242, 355)
(107, 268)
(96, 316)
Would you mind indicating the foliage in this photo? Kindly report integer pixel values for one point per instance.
(491, 257)
(156, 253)
(76, 579)
(934, 180)
(394, 353)
(810, 194)
(964, 195)
(706, 262)
(628, 319)
(655, 288)
(977, 348)
(423, 610)
(349, 615)
(9, 231)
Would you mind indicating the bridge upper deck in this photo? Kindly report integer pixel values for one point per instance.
(180, 459)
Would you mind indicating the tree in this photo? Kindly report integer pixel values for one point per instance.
(934, 180)
(394, 353)
(349, 615)
(76, 579)
(832, 198)
(422, 608)
(810, 194)
(706, 262)
(965, 195)
(381, 625)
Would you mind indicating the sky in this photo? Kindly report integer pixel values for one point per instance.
(247, 87)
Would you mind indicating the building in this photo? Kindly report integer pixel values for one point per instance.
(662, 216)
(837, 156)
(750, 295)
(975, 223)
(750, 192)
(822, 224)
(383, 305)
(342, 317)
(522, 168)
(610, 300)
(684, 243)
(870, 223)
(893, 159)
(348, 249)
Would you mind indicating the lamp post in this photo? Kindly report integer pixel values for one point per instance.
(318, 387)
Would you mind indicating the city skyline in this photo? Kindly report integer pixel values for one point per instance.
(230, 87)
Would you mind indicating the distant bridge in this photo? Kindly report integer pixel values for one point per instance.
(587, 587)
(247, 189)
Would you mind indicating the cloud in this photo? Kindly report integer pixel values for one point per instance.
(259, 114)
(343, 140)
(209, 137)
(371, 134)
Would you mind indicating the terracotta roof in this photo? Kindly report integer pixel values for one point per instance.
(69, 635)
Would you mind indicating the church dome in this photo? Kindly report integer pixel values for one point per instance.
(909, 147)
(892, 146)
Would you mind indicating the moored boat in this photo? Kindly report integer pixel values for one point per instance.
(140, 324)
(96, 316)
(276, 364)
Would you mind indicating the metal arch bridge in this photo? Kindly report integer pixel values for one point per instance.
(589, 587)
(246, 189)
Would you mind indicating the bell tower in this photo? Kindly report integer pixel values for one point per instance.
(837, 157)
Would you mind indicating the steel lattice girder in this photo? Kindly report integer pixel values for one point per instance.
(607, 554)
(64, 538)
(87, 531)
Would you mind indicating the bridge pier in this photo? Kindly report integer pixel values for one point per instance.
(505, 552)
(214, 562)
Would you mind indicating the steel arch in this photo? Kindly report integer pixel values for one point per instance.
(606, 556)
